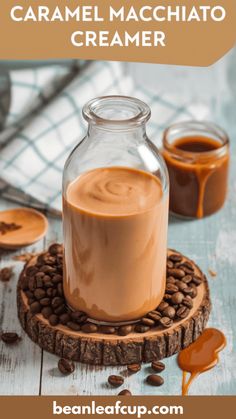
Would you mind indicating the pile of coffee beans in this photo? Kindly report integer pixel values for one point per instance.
(42, 284)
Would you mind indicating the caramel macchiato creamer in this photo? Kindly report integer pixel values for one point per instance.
(115, 231)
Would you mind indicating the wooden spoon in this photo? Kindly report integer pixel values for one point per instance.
(32, 226)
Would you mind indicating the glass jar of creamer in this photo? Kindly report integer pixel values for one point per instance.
(115, 215)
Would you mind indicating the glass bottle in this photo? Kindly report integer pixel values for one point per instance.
(115, 215)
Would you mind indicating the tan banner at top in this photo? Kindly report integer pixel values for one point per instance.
(183, 32)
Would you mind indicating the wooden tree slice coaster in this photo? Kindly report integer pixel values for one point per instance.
(103, 349)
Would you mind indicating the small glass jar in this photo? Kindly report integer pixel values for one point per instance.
(197, 157)
(115, 215)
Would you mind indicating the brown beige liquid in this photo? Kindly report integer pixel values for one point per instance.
(197, 188)
(115, 232)
(200, 356)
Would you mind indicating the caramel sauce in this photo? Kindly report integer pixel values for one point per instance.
(200, 356)
(198, 178)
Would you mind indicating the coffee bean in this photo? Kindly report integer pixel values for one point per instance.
(169, 264)
(162, 306)
(133, 368)
(169, 312)
(45, 302)
(147, 322)
(29, 294)
(32, 284)
(155, 380)
(31, 301)
(186, 265)
(108, 330)
(60, 290)
(31, 271)
(73, 326)
(181, 285)
(57, 301)
(158, 366)
(39, 275)
(64, 318)
(167, 297)
(55, 248)
(60, 310)
(40, 260)
(50, 292)
(187, 301)
(197, 280)
(193, 293)
(54, 292)
(39, 282)
(166, 322)
(154, 315)
(53, 320)
(140, 328)
(176, 273)
(35, 307)
(171, 288)
(79, 316)
(56, 279)
(177, 298)
(125, 393)
(39, 293)
(187, 279)
(47, 269)
(46, 259)
(189, 291)
(10, 338)
(89, 328)
(182, 312)
(24, 283)
(171, 280)
(46, 312)
(47, 281)
(175, 257)
(50, 260)
(65, 366)
(187, 271)
(124, 330)
(115, 380)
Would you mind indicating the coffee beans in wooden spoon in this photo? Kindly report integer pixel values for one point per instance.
(31, 226)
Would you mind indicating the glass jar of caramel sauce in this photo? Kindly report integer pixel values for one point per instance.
(197, 157)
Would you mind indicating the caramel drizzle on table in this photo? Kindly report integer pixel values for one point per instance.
(200, 356)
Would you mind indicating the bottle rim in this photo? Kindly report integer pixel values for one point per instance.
(99, 110)
(192, 128)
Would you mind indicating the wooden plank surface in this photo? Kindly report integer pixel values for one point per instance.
(210, 242)
(20, 365)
